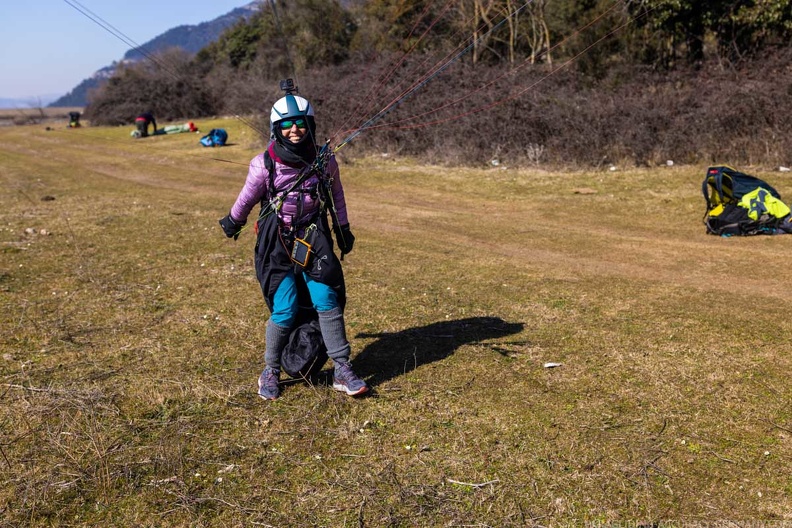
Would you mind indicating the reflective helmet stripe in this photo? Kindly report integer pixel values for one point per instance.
(291, 105)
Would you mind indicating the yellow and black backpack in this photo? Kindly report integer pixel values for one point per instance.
(739, 204)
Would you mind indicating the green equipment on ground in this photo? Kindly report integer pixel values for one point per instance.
(171, 129)
(177, 129)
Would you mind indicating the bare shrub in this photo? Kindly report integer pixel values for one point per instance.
(530, 114)
(534, 153)
(632, 115)
(167, 86)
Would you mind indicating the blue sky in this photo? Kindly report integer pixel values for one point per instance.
(48, 47)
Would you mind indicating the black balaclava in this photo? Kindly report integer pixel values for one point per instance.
(296, 154)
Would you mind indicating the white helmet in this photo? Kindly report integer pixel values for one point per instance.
(288, 107)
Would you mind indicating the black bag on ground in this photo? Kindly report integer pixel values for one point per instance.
(305, 354)
(732, 221)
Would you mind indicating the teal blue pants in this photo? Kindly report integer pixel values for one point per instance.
(284, 304)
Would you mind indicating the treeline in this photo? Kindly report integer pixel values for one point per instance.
(563, 82)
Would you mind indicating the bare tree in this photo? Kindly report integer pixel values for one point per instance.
(539, 34)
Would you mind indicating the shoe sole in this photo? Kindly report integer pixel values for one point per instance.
(343, 388)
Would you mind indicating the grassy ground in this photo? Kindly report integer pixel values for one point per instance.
(132, 335)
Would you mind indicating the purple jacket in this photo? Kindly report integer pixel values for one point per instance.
(298, 207)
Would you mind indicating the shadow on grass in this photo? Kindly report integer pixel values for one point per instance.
(397, 353)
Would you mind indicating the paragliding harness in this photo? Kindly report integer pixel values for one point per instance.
(741, 205)
(300, 248)
(305, 354)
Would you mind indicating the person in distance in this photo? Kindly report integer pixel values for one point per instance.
(142, 123)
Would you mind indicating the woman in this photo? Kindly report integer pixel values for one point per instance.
(294, 250)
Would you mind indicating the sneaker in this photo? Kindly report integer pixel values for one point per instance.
(268, 384)
(345, 380)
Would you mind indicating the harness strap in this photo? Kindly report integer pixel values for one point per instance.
(278, 195)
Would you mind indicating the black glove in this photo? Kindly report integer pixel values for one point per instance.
(231, 226)
(344, 238)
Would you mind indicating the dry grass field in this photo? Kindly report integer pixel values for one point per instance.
(133, 330)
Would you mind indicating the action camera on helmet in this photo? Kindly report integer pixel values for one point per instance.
(287, 85)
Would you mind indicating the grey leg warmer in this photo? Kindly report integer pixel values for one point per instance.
(331, 323)
(277, 337)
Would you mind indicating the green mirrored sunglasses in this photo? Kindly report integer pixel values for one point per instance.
(285, 125)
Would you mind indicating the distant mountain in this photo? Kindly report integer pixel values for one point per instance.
(190, 38)
(79, 95)
(193, 38)
(27, 102)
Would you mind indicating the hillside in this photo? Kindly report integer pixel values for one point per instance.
(78, 96)
(190, 38)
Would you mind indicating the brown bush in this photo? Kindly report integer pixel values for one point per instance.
(562, 118)
(532, 115)
(167, 85)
